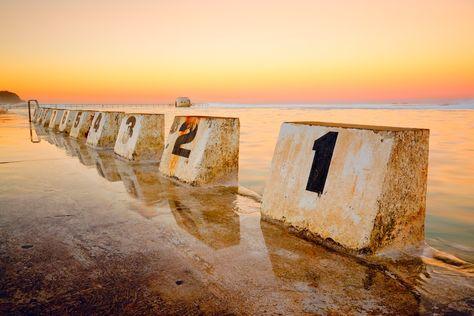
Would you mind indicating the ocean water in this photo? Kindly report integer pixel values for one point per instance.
(67, 210)
(450, 196)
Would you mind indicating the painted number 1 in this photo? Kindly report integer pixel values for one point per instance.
(323, 148)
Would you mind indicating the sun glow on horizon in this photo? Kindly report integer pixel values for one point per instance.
(237, 51)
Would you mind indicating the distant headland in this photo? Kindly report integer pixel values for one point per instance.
(7, 97)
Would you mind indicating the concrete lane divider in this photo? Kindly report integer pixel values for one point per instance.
(202, 150)
(104, 129)
(42, 116)
(67, 120)
(82, 121)
(359, 187)
(55, 119)
(141, 137)
(37, 115)
(46, 117)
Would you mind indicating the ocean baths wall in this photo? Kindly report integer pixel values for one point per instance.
(55, 119)
(362, 187)
(141, 137)
(81, 124)
(104, 129)
(202, 150)
(67, 120)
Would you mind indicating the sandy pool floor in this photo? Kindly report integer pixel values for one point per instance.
(84, 232)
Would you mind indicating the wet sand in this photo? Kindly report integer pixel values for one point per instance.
(82, 231)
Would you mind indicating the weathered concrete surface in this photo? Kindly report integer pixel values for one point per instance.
(46, 117)
(141, 137)
(202, 150)
(72, 242)
(67, 120)
(55, 119)
(104, 129)
(361, 187)
(81, 124)
(37, 115)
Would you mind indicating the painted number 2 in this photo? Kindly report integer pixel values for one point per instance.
(323, 149)
(184, 139)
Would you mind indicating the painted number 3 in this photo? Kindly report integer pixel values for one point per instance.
(323, 149)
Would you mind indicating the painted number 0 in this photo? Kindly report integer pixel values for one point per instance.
(323, 149)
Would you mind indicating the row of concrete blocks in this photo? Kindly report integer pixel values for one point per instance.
(362, 188)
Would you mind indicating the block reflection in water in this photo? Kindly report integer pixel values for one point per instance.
(82, 152)
(105, 164)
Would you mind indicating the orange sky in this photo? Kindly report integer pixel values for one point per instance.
(148, 51)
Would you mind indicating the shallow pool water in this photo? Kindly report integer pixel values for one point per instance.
(83, 231)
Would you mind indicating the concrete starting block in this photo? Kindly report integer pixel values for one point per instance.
(67, 120)
(202, 150)
(359, 187)
(41, 117)
(82, 121)
(141, 137)
(104, 129)
(55, 119)
(46, 117)
(37, 115)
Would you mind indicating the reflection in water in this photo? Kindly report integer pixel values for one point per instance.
(34, 138)
(70, 149)
(141, 181)
(221, 233)
(81, 151)
(327, 282)
(208, 217)
(56, 139)
(105, 164)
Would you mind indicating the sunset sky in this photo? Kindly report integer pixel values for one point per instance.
(258, 51)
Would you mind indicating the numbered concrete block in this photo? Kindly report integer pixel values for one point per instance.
(104, 129)
(202, 150)
(55, 119)
(43, 114)
(359, 187)
(141, 137)
(37, 115)
(67, 120)
(46, 117)
(81, 124)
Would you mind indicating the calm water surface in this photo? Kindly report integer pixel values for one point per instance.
(82, 230)
(450, 200)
